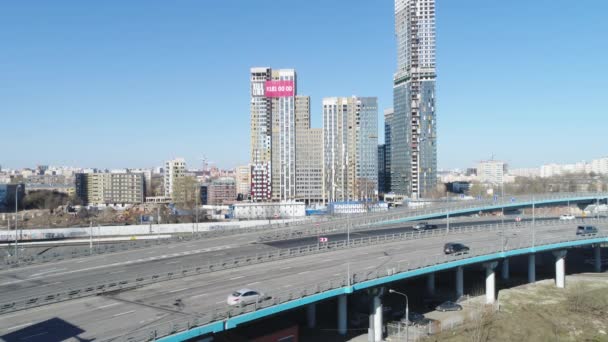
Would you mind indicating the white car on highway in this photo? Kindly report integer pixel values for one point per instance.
(243, 297)
(567, 217)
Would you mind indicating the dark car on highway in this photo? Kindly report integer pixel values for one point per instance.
(424, 226)
(586, 230)
(448, 306)
(455, 248)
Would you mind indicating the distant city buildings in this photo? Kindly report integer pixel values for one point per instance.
(350, 143)
(413, 139)
(112, 189)
(491, 171)
(173, 171)
(525, 172)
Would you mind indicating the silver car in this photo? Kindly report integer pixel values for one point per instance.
(243, 297)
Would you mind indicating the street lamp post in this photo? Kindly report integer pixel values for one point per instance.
(407, 313)
(16, 210)
(533, 223)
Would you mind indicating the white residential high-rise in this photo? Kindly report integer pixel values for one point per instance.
(413, 154)
(273, 134)
(261, 135)
(174, 169)
(350, 148)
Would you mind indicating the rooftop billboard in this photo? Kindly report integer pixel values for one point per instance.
(283, 88)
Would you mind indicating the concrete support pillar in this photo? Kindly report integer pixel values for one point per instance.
(504, 269)
(377, 319)
(531, 268)
(459, 282)
(342, 314)
(430, 284)
(597, 258)
(490, 282)
(311, 314)
(560, 268)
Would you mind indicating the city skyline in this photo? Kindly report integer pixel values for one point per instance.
(68, 109)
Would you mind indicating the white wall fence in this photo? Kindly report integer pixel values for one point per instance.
(141, 229)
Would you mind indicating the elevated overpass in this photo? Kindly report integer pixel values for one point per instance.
(148, 312)
(327, 225)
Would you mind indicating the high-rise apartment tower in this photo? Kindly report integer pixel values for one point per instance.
(413, 150)
(273, 134)
(350, 148)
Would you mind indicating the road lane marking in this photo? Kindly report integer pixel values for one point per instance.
(304, 272)
(117, 272)
(39, 334)
(368, 267)
(20, 326)
(257, 282)
(173, 262)
(107, 306)
(123, 313)
(235, 278)
(337, 274)
(286, 268)
(200, 295)
(220, 302)
(46, 272)
(185, 288)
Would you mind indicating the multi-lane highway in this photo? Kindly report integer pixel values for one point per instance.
(76, 273)
(125, 312)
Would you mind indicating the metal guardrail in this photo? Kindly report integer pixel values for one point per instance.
(320, 231)
(117, 284)
(217, 314)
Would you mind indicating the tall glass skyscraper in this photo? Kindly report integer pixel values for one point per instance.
(413, 150)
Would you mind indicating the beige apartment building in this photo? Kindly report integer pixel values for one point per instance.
(110, 188)
(309, 155)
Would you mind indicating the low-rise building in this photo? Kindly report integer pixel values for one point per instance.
(8, 194)
(268, 210)
(221, 191)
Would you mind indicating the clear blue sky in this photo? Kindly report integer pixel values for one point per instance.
(133, 83)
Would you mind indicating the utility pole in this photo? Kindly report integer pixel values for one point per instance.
(91, 237)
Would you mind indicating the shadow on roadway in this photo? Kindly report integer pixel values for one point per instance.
(52, 330)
